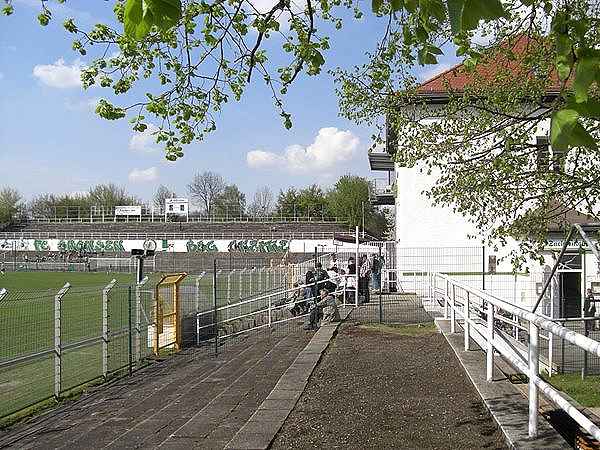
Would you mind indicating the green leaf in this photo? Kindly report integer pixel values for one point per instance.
(580, 137)
(563, 69)
(476, 10)
(464, 15)
(585, 73)
(563, 123)
(166, 13)
(136, 25)
(455, 11)
(397, 5)
(376, 5)
(589, 108)
(8, 10)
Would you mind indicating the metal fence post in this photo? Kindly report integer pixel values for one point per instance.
(453, 311)
(533, 374)
(215, 318)
(466, 315)
(138, 321)
(130, 329)
(58, 341)
(550, 354)
(105, 330)
(490, 342)
(198, 278)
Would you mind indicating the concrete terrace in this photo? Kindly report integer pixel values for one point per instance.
(286, 388)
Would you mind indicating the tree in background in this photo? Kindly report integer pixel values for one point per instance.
(162, 193)
(287, 203)
(347, 197)
(312, 201)
(107, 196)
(204, 189)
(11, 204)
(66, 205)
(263, 203)
(230, 203)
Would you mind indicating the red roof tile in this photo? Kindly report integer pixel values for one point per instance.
(457, 78)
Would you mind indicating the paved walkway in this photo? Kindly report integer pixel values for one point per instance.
(200, 403)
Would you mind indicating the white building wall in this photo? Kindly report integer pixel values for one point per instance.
(419, 223)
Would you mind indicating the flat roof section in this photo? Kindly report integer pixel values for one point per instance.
(381, 161)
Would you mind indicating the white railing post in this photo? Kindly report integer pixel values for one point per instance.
(430, 280)
(228, 293)
(58, 340)
(453, 311)
(270, 318)
(446, 301)
(550, 353)
(467, 325)
(490, 342)
(197, 293)
(105, 330)
(534, 366)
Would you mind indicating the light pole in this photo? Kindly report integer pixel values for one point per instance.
(363, 218)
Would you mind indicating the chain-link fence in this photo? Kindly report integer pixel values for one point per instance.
(54, 341)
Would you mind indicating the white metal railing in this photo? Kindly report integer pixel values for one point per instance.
(158, 216)
(468, 300)
(382, 186)
(267, 304)
(84, 235)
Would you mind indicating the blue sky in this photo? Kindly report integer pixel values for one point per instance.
(51, 141)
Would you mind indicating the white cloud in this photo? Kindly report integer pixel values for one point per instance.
(1, 76)
(59, 75)
(143, 175)
(330, 148)
(145, 141)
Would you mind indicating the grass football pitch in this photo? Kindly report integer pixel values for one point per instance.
(27, 326)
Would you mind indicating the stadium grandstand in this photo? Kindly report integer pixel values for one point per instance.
(76, 245)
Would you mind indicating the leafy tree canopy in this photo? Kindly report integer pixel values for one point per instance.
(203, 54)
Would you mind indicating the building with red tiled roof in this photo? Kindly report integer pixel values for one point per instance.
(458, 78)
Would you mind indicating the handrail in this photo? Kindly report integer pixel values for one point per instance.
(495, 343)
(573, 337)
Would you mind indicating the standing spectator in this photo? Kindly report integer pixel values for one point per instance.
(589, 310)
(332, 262)
(364, 275)
(376, 273)
(310, 289)
(320, 277)
(350, 281)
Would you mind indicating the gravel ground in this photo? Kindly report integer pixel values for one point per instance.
(384, 390)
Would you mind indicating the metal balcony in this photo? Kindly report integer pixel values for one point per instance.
(382, 192)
